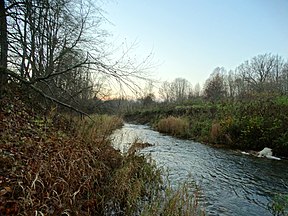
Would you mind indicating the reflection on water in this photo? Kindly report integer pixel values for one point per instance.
(232, 183)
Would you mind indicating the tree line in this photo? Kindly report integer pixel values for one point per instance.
(264, 74)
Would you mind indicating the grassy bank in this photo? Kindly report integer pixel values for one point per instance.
(246, 125)
(55, 165)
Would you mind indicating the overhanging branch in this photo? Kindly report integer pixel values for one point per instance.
(30, 84)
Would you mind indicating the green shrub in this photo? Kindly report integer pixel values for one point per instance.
(255, 125)
(248, 124)
(200, 130)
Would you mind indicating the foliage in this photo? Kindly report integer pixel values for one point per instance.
(215, 88)
(281, 100)
(279, 205)
(250, 124)
(256, 125)
(200, 130)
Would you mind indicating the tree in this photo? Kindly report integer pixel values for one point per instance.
(215, 87)
(148, 97)
(3, 47)
(165, 91)
(231, 87)
(284, 79)
(197, 90)
(262, 73)
(43, 36)
(148, 100)
(56, 47)
(180, 88)
(241, 89)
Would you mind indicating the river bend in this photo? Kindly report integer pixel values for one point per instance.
(231, 183)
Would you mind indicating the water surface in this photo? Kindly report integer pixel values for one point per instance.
(231, 183)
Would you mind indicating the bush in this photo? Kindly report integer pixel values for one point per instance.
(255, 125)
(200, 129)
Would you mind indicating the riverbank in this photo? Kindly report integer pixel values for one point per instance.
(54, 164)
(244, 125)
(229, 182)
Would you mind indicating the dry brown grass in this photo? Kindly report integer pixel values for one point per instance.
(50, 170)
(175, 126)
(97, 130)
(174, 202)
(216, 131)
(68, 167)
(138, 145)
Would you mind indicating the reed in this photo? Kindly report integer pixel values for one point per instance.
(97, 127)
(175, 201)
(175, 126)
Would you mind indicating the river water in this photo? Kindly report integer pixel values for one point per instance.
(231, 183)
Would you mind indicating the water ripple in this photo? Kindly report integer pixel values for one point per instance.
(231, 183)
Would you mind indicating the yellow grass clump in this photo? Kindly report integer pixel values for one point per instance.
(175, 126)
(216, 131)
(97, 127)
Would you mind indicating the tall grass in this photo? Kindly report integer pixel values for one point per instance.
(174, 202)
(97, 129)
(47, 169)
(175, 126)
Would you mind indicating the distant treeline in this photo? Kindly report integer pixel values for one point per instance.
(245, 109)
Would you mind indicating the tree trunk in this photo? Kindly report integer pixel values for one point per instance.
(4, 48)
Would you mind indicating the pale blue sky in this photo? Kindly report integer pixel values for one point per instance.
(192, 37)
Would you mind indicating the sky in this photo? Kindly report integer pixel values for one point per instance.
(190, 38)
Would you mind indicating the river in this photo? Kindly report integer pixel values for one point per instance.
(232, 183)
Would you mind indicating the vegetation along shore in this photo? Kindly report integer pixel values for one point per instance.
(64, 88)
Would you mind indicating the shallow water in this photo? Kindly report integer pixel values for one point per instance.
(231, 183)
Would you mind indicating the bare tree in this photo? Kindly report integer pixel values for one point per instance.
(262, 72)
(284, 79)
(180, 88)
(3, 47)
(56, 48)
(197, 90)
(231, 87)
(165, 91)
(148, 89)
(148, 97)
